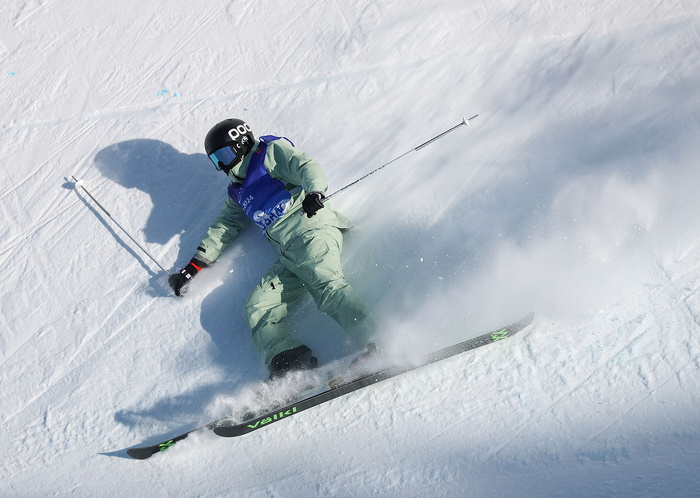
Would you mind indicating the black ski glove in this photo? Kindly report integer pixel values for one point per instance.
(312, 203)
(178, 281)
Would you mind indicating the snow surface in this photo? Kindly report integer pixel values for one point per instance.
(573, 194)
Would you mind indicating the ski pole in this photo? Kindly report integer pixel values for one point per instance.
(81, 184)
(465, 122)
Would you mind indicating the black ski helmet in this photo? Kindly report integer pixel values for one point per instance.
(234, 133)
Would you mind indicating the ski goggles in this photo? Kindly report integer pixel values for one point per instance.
(225, 156)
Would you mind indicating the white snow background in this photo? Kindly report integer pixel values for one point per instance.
(573, 194)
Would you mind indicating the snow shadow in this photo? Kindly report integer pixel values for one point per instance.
(185, 191)
(186, 195)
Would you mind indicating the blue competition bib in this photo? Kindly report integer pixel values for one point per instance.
(262, 197)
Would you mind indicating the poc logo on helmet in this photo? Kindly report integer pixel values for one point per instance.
(239, 131)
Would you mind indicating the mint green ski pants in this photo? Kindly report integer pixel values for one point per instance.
(309, 263)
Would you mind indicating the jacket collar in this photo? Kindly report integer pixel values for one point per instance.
(239, 171)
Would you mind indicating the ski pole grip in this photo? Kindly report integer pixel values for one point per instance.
(323, 201)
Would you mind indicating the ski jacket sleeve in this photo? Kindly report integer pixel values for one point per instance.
(291, 165)
(222, 232)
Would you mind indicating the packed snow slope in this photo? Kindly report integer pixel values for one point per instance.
(573, 194)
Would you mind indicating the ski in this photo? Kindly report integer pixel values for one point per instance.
(143, 452)
(225, 428)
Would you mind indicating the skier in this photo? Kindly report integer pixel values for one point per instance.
(272, 183)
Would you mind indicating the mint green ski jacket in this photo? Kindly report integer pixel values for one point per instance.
(301, 174)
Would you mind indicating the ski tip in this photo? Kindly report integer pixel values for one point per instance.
(139, 453)
(516, 327)
(526, 320)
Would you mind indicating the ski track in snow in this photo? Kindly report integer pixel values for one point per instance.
(573, 194)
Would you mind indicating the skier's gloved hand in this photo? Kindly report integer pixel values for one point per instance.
(178, 281)
(312, 203)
